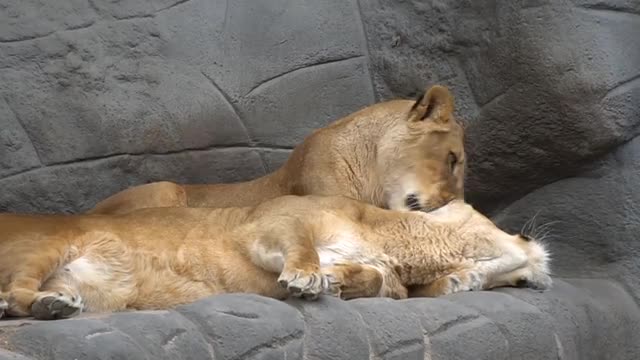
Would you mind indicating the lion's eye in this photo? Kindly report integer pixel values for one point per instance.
(453, 160)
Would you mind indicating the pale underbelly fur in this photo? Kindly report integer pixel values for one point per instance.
(129, 280)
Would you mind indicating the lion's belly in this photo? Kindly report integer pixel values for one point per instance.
(102, 286)
(134, 279)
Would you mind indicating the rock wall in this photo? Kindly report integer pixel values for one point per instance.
(96, 96)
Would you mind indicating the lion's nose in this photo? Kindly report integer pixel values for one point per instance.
(412, 202)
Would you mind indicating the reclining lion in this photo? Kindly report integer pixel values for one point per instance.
(399, 154)
(53, 266)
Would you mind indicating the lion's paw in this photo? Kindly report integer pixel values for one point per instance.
(304, 284)
(334, 288)
(54, 305)
(475, 281)
(468, 281)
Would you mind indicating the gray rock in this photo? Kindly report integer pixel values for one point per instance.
(284, 110)
(7, 355)
(248, 326)
(333, 329)
(591, 221)
(593, 319)
(245, 44)
(17, 153)
(394, 333)
(75, 339)
(411, 46)
(447, 325)
(533, 79)
(527, 330)
(31, 19)
(163, 334)
(547, 93)
(105, 90)
(96, 80)
(65, 187)
(97, 96)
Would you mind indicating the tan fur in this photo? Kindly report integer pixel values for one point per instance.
(379, 155)
(52, 266)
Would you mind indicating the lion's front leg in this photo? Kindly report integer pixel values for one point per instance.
(301, 271)
(285, 244)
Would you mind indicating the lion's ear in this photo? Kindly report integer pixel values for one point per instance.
(434, 104)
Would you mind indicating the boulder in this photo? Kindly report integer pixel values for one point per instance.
(98, 96)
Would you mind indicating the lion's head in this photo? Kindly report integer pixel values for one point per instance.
(421, 158)
(507, 259)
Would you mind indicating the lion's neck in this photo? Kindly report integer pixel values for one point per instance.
(358, 161)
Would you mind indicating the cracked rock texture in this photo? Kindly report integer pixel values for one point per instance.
(97, 96)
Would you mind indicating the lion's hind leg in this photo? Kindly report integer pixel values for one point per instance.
(461, 280)
(58, 276)
(58, 298)
(101, 277)
(354, 280)
(52, 305)
(34, 262)
(350, 280)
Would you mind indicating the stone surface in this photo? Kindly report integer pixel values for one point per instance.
(393, 332)
(333, 330)
(163, 334)
(7, 355)
(526, 329)
(97, 96)
(545, 86)
(248, 326)
(76, 339)
(67, 185)
(570, 304)
(576, 320)
(446, 325)
(97, 80)
(591, 220)
(17, 153)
